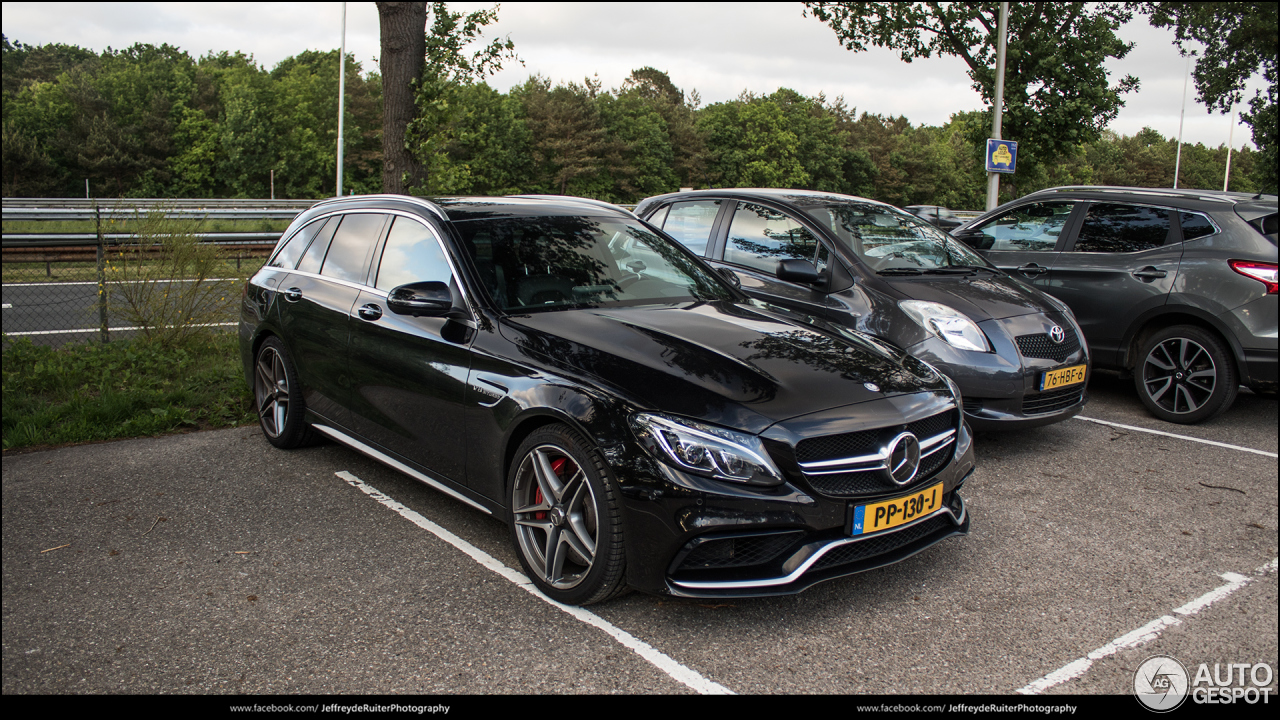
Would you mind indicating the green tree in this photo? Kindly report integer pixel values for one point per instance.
(688, 145)
(420, 71)
(1057, 92)
(489, 139)
(1240, 40)
(569, 142)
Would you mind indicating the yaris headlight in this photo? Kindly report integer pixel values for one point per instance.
(706, 450)
(947, 323)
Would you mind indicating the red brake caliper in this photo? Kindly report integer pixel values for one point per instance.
(557, 465)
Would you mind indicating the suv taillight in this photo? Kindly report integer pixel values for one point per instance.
(1264, 273)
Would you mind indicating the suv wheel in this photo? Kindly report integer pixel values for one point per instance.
(1185, 375)
(565, 520)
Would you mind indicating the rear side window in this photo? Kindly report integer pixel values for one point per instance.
(313, 257)
(1115, 228)
(690, 223)
(659, 217)
(351, 246)
(1033, 227)
(1195, 225)
(292, 250)
(412, 254)
(759, 237)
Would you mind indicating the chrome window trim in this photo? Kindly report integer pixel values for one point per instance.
(453, 267)
(1174, 210)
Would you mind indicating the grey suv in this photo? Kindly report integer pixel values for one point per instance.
(1177, 287)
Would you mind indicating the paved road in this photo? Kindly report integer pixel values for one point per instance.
(213, 563)
(57, 312)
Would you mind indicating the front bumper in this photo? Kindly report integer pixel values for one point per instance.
(694, 537)
(1001, 388)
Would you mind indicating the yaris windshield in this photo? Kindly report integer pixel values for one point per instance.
(890, 241)
(535, 264)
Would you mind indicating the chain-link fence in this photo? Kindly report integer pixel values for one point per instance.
(94, 283)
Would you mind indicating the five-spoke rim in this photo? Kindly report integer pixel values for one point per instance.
(555, 512)
(271, 390)
(1179, 375)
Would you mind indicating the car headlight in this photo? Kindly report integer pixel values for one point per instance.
(706, 450)
(947, 323)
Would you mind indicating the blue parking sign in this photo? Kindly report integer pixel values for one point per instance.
(1001, 155)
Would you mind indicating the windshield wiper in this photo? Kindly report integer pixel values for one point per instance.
(958, 269)
(900, 271)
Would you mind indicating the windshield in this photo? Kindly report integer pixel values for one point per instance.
(536, 264)
(887, 239)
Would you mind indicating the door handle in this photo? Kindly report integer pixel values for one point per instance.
(1033, 269)
(370, 312)
(1150, 273)
(293, 294)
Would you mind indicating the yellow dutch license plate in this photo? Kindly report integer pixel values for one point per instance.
(1063, 377)
(898, 511)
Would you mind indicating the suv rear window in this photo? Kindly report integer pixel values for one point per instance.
(1266, 225)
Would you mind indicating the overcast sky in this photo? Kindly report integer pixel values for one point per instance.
(717, 49)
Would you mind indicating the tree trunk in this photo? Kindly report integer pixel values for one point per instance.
(403, 27)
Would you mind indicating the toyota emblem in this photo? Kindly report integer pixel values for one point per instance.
(1057, 334)
(904, 458)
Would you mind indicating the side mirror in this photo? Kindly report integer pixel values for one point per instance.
(421, 299)
(730, 275)
(798, 271)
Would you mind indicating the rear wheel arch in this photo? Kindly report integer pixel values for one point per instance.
(1145, 328)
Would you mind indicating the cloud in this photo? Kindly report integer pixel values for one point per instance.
(717, 49)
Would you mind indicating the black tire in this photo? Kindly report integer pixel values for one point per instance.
(1185, 375)
(278, 398)
(565, 520)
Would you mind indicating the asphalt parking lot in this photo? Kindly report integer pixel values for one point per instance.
(213, 563)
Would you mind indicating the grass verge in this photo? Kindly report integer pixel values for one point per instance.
(81, 393)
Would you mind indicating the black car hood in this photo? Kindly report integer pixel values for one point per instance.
(983, 296)
(725, 363)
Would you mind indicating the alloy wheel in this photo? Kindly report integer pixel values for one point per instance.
(1179, 375)
(556, 516)
(271, 391)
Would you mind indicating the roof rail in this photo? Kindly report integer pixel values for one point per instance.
(434, 208)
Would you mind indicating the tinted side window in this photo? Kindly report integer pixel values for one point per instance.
(759, 237)
(351, 245)
(292, 250)
(412, 254)
(1114, 228)
(314, 255)
(690, 223)
(1033, 227)
(1195, 225)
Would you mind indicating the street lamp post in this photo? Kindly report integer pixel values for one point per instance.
(993, 179)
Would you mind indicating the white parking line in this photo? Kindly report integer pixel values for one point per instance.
(670, 667)
(1180, 437)
(1146, 633)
